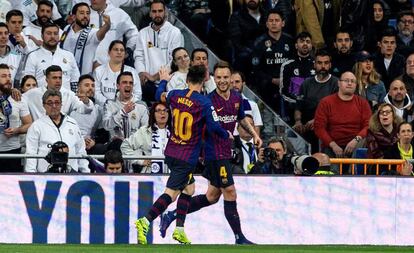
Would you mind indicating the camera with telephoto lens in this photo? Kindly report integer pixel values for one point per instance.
(269, 154)
(58, 157)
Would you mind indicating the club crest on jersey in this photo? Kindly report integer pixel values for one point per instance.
(134, 116)
(149, 44)
(268, 44)
(287, 48)
(313, 72)
(65, 61)
(296, 72)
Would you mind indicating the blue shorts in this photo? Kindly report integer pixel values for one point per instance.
(181, 173)
(219, 173)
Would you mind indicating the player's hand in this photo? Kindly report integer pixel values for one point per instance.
(129, 107)
(257, 141)
(9, 132)
(337, 150)
(230, 135)
(350, 147)
(16, 94)
(164, 73)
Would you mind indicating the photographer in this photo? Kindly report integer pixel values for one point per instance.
(274, 158)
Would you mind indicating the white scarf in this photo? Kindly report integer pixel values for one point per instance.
(159, 142)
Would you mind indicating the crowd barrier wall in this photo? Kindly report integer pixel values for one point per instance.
(273, 210)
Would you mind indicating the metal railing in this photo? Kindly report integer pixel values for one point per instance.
(367, 164)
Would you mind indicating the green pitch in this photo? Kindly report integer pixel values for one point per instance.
(63, 248)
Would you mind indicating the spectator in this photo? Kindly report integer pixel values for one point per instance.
(32, 8)
(50, 54)
(154, 48)
(121, 28)
(113, 162)
(324, 164)
(294, 72)
(18, 42)
(199, 56)
(28, 82)
(70, 102)
(397, 97)
(7, 56)
(15, 119)
(270, 51)
(401, 150)
(83, 40)
(106, 74)
(88, 123)
(50, 128)
(387, 62)
(124, 115)
(179, 69)
(319, 19)
(244, 153)
(353, 20)
(382, 131)
(377, 22)
(311, 92)
(150, 140)
(245, 26)
(34, 25)
(342, 59)
(238, 81)
(405, 41)
(408, 76)
(272, 159)
(5, 6)
(286, 7)
(369, 84)
(340, 135)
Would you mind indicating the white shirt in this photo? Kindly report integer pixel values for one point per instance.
(30, 45)
(29, 7)
(12, 59)
(70, 102)
(39, 60)
(87, 122)
(105, 83)
(246, 155)
(19, 110)
(178, 81)
(154, 48)
(5, 7)
(117, 3)
(92, 43)
(36, 31)
(121, 25)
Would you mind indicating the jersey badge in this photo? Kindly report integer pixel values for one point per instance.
(70, 131)
(296, 72)
(134, 116)
(219, 109)
(268, 44)
(255, 61)
(65, 61)
(149, 44)
(287, 48)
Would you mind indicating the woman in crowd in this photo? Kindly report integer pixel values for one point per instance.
(382, 131)
(150, 140)
(106, 75)
(402, 149)
(179, 69)
(28, 82)
(377, 22)
(368, 80)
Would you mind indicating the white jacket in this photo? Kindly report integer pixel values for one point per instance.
(12, 59)
(105, 83)
(154, 48)
(121, 25)
(44, 132)
(70, 102)
(114, 118)
(39, 60)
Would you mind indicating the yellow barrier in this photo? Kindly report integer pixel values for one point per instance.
(366, 162)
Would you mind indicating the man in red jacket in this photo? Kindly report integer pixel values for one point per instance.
(341, 119)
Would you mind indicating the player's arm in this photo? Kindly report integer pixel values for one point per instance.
(212, 122)
(250, 129)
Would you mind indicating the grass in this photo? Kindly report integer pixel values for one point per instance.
(124, 248)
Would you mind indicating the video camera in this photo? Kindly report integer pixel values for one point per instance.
(58, 157)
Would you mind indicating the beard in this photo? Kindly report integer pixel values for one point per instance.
(79, 23)
(158, 21)
(323, 73)
(252, 5)
(6, 90)
(44, 20)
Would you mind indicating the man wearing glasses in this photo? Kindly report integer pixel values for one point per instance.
(405, 42)
(341, 119)
(51, 128)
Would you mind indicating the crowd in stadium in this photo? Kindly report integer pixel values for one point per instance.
(80, 77)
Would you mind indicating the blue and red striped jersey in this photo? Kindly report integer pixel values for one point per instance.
(190, 111)
(229, 112)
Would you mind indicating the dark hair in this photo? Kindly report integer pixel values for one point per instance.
(342, 30)
(404, 123)
(222, 65)
(45, 2)
(388, 32)
(48, 25)
(4, 66)
(322, 52)
(278, 140)
(24, 80)
(242, 76)
(405, 13)
(200, 49)
(151, 118)
(303, 35)
(174, 66)
(13, 13)
(157, 2)
(125, 73)
(4, 25)
(86, 76)
(114, 42)
(53, 68)
(113, 156)
(51, 93)
(77, 6)
(275, 11)
(196, 74)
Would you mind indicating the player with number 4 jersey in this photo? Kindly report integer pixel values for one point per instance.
(191, 112)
